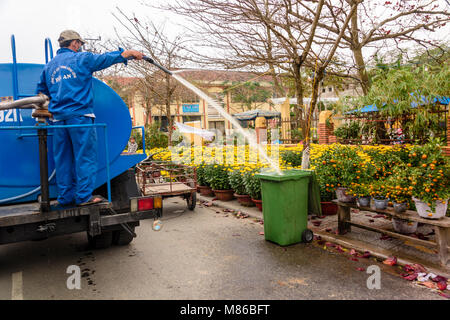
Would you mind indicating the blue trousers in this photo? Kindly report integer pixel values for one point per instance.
(75, 155)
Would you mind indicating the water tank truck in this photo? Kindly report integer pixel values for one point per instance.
(27, 174)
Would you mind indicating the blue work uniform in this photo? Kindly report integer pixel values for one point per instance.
(67, 80)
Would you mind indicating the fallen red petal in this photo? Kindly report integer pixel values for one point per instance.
(410, 277)
(379, 216)
(360, 269)
(419, 268)
(328, 230)
(391, 261)
(442, 285)
(317, 223)
(439, 279)
(329, 244)
(366, 255)
(353, 252)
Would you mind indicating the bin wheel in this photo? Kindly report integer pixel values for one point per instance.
(101, 241)
(191, 201)
(307, 236)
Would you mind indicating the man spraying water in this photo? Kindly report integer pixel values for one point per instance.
(67, 81)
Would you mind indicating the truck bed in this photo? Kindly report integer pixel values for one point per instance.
(11, 215)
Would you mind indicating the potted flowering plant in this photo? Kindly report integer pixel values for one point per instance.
(253, 187)
(430, 177)
(218, 180)
(202, 181)
(361, 190)
(378, 193)
(236, 179)
(399, 188)
(340, 165)
(326, 195)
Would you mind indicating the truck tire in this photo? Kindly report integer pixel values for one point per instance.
(101, 241)
(122, 237)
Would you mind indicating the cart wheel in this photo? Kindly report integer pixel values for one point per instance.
(192, 201)
(307, 236)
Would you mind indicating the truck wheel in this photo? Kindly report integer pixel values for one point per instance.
(101, 241)
(192, 201)
(122, 237)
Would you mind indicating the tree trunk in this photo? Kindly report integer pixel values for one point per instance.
(168, 111)
(309, 111)
(364, 78)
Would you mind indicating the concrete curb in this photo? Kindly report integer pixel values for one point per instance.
(360, 246)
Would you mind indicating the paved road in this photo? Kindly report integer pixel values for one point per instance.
(197, 255)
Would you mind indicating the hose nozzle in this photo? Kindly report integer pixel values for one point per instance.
(157, 65)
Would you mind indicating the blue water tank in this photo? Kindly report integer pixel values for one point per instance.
(19, 155)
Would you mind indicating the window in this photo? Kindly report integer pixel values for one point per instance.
(330, 89)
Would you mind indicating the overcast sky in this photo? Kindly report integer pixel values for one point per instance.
(32, 21)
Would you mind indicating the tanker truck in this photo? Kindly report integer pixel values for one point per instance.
(27, 174)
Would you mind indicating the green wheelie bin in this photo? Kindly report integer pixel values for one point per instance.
(285, 206)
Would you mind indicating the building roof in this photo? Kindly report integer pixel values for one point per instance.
(222, 75)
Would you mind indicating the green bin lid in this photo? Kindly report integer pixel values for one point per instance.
(293, 174)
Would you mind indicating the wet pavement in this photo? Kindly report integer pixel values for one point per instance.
(201, 254)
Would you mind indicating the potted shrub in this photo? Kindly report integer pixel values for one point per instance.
(326, 195)
(236, 179)
(399, 188)
(218, 180)
(341, 165)
(361, 190)
(429, 176)
(378, 193)
(202, 182)
(253, 187)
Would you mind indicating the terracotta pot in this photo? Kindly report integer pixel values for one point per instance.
(245, 200)
(329, 208)
(258, 204)
(224, 195)
(206, 191)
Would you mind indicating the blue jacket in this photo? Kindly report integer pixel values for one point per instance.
(67, 80)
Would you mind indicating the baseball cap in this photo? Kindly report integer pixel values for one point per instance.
(68, 35)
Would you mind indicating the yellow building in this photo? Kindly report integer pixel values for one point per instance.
(229, 88)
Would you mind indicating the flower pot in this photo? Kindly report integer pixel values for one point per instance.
(258, 204)
(206, 191)
(364, 201)
(342, 196)
(380, 204)
(328, 208)
(425, 211)
(224, 195)
(244, 200)
(404, 226)
(400, 207)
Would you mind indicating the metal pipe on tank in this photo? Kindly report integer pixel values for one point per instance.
(26, 103)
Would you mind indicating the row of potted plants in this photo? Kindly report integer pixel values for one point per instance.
(412, 178)
(229, 182)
